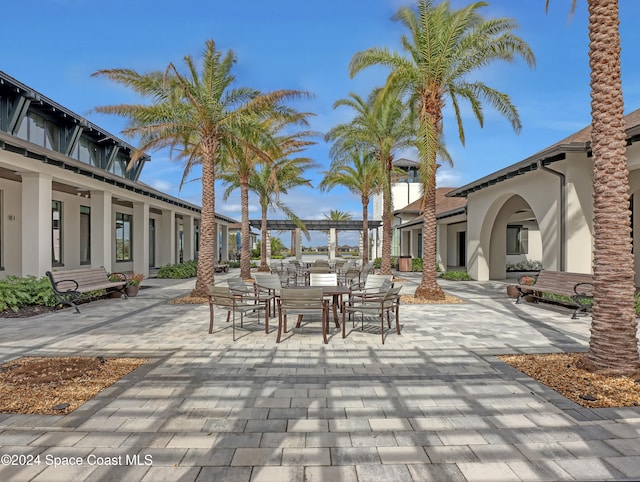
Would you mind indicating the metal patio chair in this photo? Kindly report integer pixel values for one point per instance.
(299, 301)
(222, 297)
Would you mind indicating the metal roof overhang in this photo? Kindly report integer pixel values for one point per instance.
(27, 149)
(313, 225)
(418, 220)
(554, 154)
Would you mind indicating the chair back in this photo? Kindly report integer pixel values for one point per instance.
(392, 296)
(323, 279)
(221, 296)
(318, 269)
(301, 299)
(376, 280)
(351, 276)
(237, 285)
(321, 263)
(269, 281)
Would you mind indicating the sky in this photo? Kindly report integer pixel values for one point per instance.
(54, 46)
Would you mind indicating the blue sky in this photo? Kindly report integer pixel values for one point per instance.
(54, 45)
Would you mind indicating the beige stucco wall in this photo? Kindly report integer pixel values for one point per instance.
(19, 218)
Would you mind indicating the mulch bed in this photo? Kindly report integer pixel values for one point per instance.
(25, 312)
(563, 373)
(58, 385)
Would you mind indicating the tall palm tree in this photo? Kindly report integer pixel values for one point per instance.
(337, 215)
(243, 164)
(444, 47)
(199, 115)
(381, 127)
(363, 177)
(268, 182)
(613, 346)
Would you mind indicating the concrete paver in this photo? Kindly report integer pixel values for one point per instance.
(431, 404)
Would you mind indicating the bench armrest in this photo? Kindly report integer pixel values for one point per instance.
(70, 290)
(583, 286)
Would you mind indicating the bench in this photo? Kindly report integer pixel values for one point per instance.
(222, 268)
(577, 286)
(68, 286)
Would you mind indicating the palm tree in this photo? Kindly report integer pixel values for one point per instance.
(613, 346)
(363, 177)
(337, 215)
(268, 182)
(443, 48)
(381, 127)
(200, 114)
(242, 166)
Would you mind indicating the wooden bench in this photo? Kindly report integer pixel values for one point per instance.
(222, 268)
(577, 286)
(68, 286)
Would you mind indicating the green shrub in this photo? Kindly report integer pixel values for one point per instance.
(455, 276)
(16, 292)
(179, 271)
(234, 264)
(416, 265)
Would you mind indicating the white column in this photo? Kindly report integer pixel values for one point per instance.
(224, 256)
(361, 247)
(168, 237)
(189, 241)
(268, 245)
(298, 232)
(332, 243)
(441, 246)
(141, 238)
(101, 230)
(36, 223)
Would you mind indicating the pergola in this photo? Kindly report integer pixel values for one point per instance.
(313, 225)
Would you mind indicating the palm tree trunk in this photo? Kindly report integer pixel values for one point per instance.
(387, 203)
(206, 255)
(429, 287)
(245, 253)
(614, 345)
(365, 230)
(263, 242)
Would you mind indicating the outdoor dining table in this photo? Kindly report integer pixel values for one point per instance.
(336, 293)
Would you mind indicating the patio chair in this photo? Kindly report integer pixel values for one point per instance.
(246, 292)
(350, 277)
(372, 283)
(375, 304)
(223, 298)
(323, 279)
(301, 301)
(269, 285)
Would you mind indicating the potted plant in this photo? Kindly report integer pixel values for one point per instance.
(512, 291)
(133, 283)
(115, 277)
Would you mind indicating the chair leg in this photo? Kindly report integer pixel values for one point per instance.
(279, 326)
(397, 310)
(210, 318)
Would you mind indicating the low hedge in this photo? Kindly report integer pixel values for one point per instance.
(188, 269)
(16, 292)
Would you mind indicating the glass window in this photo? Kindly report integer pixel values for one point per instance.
(56, 233)
(123, 237)
(85, 235)
(517, 240)
(52, 136)
(36, 129)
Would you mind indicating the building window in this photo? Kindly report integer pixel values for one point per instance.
(38, 130)
(56, 233)
(88, 152)
(517, 240)
(1, 231)
(85, 235)
(123, 236)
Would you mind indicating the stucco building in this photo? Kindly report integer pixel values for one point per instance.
(68, 201)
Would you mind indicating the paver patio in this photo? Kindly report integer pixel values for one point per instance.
(431, 404)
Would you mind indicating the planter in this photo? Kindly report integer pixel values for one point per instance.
(115, 294)
(512, 291)
(132, 291)
(405, 264)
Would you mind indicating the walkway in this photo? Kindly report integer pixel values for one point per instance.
(431, 404)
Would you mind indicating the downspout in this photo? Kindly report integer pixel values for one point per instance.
(563, 213)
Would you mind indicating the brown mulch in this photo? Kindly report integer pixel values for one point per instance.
(58, 385)
(563, 373)
(26, 311)
(414, 300)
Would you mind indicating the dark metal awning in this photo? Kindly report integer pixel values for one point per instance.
(313, 225)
